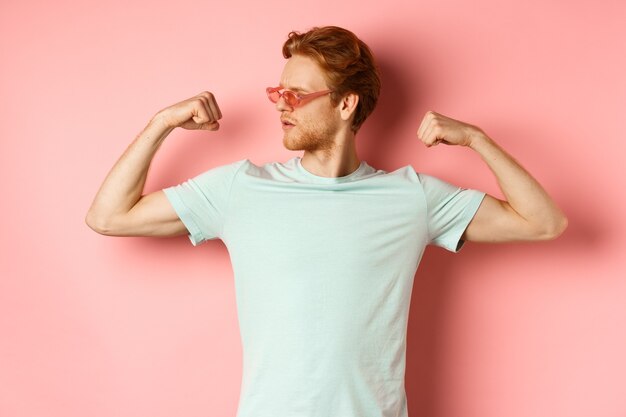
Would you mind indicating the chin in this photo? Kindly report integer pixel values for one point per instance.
(308, 141)
(291, 143)
(288, 144)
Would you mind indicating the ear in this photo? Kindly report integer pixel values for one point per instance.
(348, 104)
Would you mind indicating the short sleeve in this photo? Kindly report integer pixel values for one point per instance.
(202, 202)
(450, 210)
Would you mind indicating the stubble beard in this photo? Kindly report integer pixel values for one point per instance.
(309, 136)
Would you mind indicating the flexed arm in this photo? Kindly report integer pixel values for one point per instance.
(119, 209)
(528, 213)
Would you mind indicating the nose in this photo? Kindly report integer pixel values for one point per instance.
(281, 105)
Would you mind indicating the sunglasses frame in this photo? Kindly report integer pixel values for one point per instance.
(292, 98)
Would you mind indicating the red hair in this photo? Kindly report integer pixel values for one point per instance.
(347, 62)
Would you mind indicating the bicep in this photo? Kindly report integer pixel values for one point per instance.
(496, 221)
(152, 215)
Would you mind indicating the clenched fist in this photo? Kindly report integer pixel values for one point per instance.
(437, 128)
(198, 112)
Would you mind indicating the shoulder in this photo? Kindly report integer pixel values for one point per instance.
(220, 173)
(425, 182)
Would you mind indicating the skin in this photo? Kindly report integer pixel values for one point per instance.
(323, 132)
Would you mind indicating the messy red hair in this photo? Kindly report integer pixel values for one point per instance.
(348, 65)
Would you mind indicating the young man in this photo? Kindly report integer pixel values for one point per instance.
(324, 247)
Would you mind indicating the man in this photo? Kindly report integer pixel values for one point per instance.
(324, 247)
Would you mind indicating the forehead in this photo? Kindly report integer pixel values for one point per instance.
(304, 73)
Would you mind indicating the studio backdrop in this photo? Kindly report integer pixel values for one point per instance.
(102, 326)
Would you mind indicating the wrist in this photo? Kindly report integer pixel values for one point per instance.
(161, 122)
(478, 140)
(157, 129)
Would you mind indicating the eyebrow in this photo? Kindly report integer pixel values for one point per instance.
(296, 89)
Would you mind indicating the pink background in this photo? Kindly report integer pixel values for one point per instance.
(107, 326)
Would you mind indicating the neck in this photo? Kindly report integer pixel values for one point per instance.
(339, 161)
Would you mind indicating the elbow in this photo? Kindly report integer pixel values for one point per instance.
(96, 223)
(555, 228)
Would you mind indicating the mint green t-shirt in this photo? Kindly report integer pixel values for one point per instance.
(323, 271)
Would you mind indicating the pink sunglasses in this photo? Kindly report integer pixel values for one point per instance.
(291, 98)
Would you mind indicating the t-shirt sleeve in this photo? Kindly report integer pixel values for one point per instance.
(450, 210)
(201, 202)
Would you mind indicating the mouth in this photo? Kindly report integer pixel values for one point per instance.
(287, 124)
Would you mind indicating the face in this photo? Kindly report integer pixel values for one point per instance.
(313, 125)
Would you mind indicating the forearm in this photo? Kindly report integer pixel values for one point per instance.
(523, 193)
(124, 184)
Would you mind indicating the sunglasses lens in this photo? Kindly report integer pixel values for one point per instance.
(290, 98)
(273, 95)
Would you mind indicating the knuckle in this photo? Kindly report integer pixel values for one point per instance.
(202, 95)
